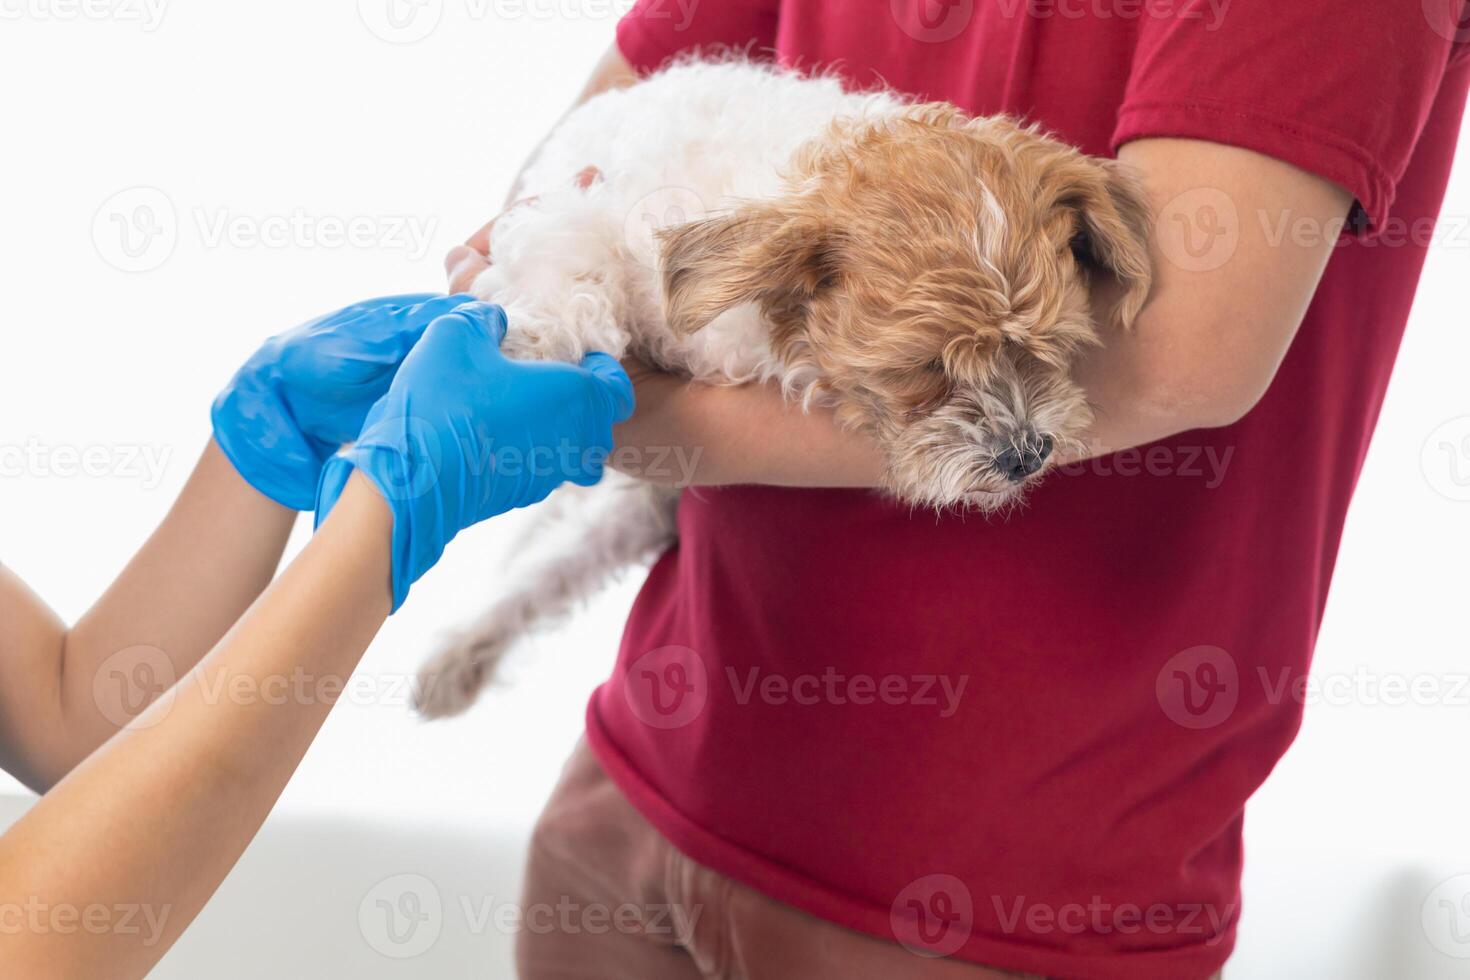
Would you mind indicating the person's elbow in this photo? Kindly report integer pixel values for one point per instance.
(1205, 392)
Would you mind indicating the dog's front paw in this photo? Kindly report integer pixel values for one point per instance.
(452, 681)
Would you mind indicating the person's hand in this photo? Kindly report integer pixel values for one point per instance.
(465, 434)
(464, 263)
(307, 391)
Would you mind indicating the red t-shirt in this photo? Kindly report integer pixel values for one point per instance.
(1028, 741)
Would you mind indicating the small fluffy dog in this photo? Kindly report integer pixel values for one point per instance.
(926, 275)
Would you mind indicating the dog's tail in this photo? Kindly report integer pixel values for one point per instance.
(621, 523)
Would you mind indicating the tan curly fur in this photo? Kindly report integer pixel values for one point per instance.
(937, 272)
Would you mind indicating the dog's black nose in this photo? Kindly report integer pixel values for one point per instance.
(1017, 462)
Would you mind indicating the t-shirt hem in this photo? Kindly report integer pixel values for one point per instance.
(792, 888)
(1314, 150)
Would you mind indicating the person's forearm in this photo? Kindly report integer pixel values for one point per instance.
(721, 435)
(154, 820)
(67, 691)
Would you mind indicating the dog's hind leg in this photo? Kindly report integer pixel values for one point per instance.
(624, 522)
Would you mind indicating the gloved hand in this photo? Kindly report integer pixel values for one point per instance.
(464, 434)
(306, 392)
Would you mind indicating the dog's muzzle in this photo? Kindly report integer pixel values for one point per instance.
(1023, 457)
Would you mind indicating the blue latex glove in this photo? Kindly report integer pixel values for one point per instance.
(306, 392)
(465, 434)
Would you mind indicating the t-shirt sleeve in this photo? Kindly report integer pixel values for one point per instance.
(1341, 90)
(654, 31)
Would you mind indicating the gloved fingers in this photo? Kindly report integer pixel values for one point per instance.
(370, 306)
(474, 321)
(614, 383)
(384, 333)
(413, 319)
(359, 356)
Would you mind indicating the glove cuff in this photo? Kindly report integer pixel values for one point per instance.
(416, 545)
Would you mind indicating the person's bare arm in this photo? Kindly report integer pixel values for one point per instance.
(150, 824)
(1209, 342)
(66, 691)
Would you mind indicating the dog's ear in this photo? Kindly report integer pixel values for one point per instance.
(778, 255)
(1115, 235)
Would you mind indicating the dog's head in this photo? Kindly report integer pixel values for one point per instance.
(938, 272)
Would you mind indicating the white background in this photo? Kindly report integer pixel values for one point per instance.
(253, 111)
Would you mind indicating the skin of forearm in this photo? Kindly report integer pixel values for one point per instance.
(723, 435)
(214, 552)
(157, 817)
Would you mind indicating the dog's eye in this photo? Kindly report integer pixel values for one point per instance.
(1081, 247)
(937, 365)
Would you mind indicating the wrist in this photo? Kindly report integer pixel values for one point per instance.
(363, 522)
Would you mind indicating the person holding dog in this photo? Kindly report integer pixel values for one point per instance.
(1080, 813)
(154, 788)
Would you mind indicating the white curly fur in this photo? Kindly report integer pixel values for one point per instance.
(576, 270)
